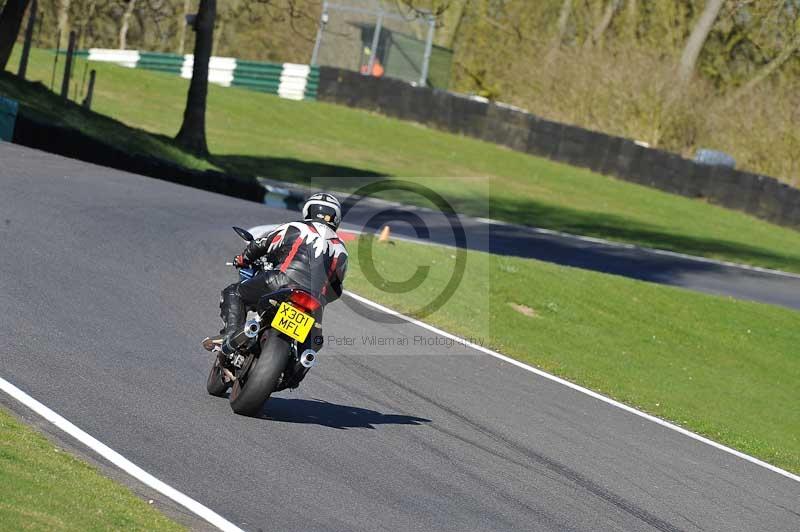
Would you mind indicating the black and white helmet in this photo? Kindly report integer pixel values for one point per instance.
(325, 208)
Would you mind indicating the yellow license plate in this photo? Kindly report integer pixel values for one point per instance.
(292, 322)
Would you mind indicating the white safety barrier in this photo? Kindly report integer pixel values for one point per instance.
(126, 58)
(220, 69)
(293, 81)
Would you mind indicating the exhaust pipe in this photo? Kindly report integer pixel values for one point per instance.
(308, 359)
(251, 328)
(240, 339)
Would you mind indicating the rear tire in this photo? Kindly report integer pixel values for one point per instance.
(253, 388)
(216, 385)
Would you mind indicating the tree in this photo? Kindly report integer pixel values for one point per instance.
(605, 22)
(187, 5)
(88, 15)
(769, 68)
(563, 20)
(694, 45)
(10, 21)
(192, 135)
(631, 19)
(126, 19)
(63, 22)
(451, 22)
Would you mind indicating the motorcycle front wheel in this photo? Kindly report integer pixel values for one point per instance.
(259, 376)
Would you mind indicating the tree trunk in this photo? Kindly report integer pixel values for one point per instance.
(631, 29)
(126, 20)
(563, 19)
(218, 36)
(605, 22)
(697, 39)
(561, 30)
(187, 5)
(63, 22)
(87, 18)
(192, 135)
(10, 22)
(446, 35)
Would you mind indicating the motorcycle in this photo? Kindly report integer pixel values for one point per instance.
(264, 357)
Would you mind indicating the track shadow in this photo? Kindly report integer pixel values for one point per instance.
(615, 227)
(316, 412)
(287, 169)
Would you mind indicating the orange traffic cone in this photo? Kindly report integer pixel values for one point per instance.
(384, 236)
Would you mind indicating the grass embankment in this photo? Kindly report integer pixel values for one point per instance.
(257, 134)
(44, 488)
(727, 369)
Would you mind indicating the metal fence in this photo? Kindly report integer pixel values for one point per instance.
(381, 39)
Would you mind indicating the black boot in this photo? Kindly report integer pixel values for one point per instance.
(232, 310)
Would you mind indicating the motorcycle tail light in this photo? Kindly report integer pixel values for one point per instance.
(305, 301)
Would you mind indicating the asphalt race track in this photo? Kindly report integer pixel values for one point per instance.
(108, 282)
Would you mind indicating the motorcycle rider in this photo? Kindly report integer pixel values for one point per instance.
(305, 254)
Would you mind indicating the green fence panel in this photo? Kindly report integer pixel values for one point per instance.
(404, 60)
(260, 69)
(161, 57)
(258, 64)
(8, 118)
(312, 85)
(171, 63)
(237, 74)
(149, 61)
(160, 67)
(244, 74)
(76, 53)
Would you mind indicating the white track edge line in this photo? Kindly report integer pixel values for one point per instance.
(575, 387)
(655, 251)
(117, 459)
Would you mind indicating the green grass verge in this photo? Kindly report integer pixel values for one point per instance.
(727, 369)
(261, 135)
(44, 488)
